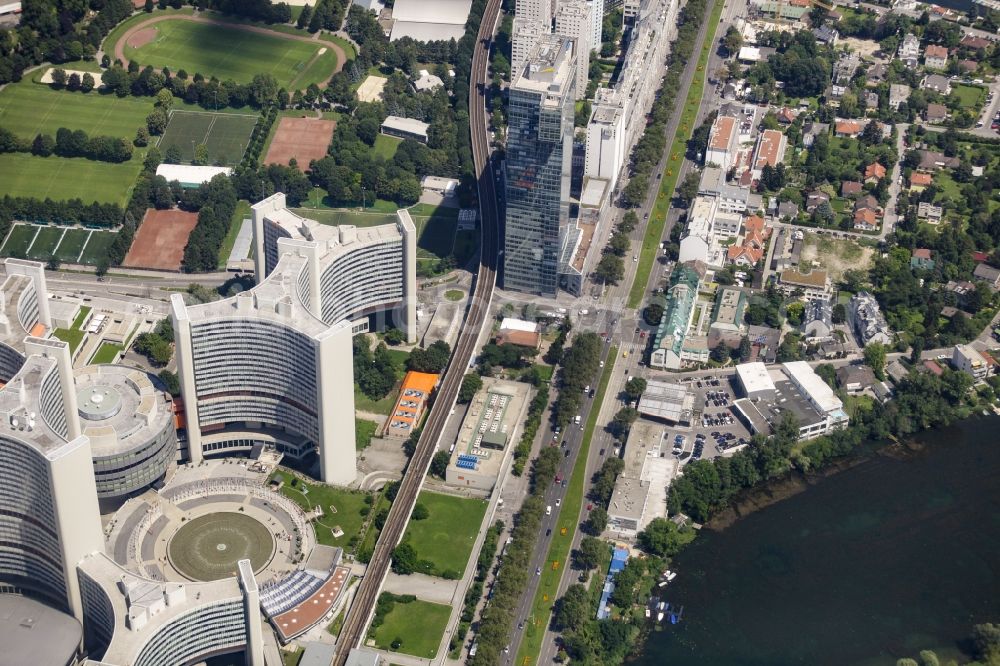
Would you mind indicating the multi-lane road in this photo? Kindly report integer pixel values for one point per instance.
(361, 610)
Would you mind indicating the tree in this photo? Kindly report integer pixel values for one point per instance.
(733, 40)
(439, 465)
(795, 312)
(200, 155)
(170, 381)
(588, 555)
(635, 387)
(596, 521)
(610, 269)
(623, 420)
(87, 83)
(394, 337)
(404, 559)
(839, 315)
(653, 314)
(874, 355)
(619, 244)
(688, 189)
(304, 17)
(572, 611)
(58, 77)
(433, 359)
(421, 512)
(156, 122)
(53, 263)
(663, 538)
(141, 137)
(471, 384)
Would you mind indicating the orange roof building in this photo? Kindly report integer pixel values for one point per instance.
(920, 180)
(411, 403)
(874, 171)
(848, 127)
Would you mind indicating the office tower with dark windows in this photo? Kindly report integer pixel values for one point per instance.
(539, 165)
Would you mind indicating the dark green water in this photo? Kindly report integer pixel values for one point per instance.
(872, 564)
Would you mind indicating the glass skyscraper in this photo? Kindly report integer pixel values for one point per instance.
(539, 164)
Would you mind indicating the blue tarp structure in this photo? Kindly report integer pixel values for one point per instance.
(618, 560)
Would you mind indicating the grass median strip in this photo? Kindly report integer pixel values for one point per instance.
(562, 537)
(658, 216)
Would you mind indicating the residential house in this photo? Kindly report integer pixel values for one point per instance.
(920, 181)
(874, 172)
(843, 71)
(871, 101)
(971, 362)
(730, 198)
(815, 198)
(976, 43)
(931, 161)
(968, 66)
(850, 188)
(866, 220)
(848, 128)
(751, 250)
(935, 113)
(727, 318)
(817, 324)
(763, 343)
(785, 115)
(935, 57)
(898, 93)
(921, 259)
(986, 273)
(770, 150)
(722, 142)
(788, 209)
(698, 235)
(875, 74)
(929, 213)
(868, 202)
(854, 379)
(811, 130)
(826, 34)
(909, 51)
(813, 284)
(937, 83)
(867, 320)
(961, 289)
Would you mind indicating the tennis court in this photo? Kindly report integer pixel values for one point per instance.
(226, 135)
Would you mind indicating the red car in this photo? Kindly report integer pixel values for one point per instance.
(558, 478)
(589, 506)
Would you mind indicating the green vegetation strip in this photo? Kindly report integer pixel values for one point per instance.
(658, 217)
(559, 549)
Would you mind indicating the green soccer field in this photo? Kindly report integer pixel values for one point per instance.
(45, 243)
(27, 109)
(26, 175)
(18, 241)
(226, 135)
(418, 626)
(71, 244)
(97, 246)
(445, 538)
(227, 53)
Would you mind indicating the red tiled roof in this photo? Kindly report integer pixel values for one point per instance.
(850, 187)
(866, 216)
(924, 179)
(933, 367)
(935, 51)
(848, 127)
(875, 170)
(922, 253)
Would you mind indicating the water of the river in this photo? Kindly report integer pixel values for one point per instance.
(872, 564)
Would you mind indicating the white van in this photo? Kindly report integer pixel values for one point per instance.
(548, 510)
(576, 419)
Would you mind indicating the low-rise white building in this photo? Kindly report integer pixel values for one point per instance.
(966, 359)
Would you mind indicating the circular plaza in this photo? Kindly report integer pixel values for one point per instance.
(204, 521)
(209, 547)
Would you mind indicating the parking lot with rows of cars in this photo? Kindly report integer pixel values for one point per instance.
(715, 430)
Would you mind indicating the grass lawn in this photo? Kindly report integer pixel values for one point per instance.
(225, 135)
(446, 537)
(435, 230)
(72, 336)
(385, 146)
(81, 316)
(227, 53)
(349, 505)
(366, 218)
(562, 535)
(27, 109)
(658, 216)
(19, 240)
(106, 353)
(454, 294)
(384, 406)
(969, 97)
(242, 211)
(61, 178)
(71, 245)
(363, 432)
(97, 247)
(418, 625)
(45, 243)
(947, 187)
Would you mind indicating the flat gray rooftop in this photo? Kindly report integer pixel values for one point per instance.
(33, 633)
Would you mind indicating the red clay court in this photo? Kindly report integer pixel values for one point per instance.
(305, 139)
(161, 239)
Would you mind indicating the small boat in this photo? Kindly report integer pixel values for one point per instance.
(659, 616)
(663, 583)
(647, 611)
(671, 576)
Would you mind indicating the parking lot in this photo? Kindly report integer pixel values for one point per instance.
(714, 429)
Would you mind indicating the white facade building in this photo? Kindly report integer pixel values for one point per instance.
(526, 33)
(273, 365)
(966, 359)
(573, 20)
